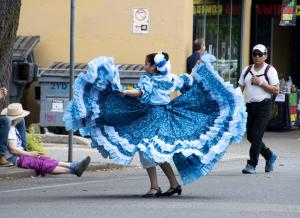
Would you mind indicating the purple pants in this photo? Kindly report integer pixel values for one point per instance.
(43, 165)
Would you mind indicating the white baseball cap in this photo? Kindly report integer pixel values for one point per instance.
(260, 48)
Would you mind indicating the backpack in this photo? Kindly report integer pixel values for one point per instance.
(264, 74)
(274, 111)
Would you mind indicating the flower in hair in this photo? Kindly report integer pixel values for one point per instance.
(161, 63)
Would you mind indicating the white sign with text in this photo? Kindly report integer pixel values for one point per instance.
(140, 24)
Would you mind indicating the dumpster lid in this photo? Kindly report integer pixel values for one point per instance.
(61, 69)
(23, 46)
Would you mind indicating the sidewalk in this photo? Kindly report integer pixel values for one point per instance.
(283, 143)
(57, 146)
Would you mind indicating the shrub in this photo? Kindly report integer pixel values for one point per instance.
(34, 140)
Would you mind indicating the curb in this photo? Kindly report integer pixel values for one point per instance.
(63, 139)
(16, 173)
(108, 166)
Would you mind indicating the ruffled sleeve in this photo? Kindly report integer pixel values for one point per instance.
(146, 86)
(184, 83)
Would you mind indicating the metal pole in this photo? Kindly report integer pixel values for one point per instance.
(230, 36)
(204, 25)
(72, 12)
(218, 31)
(243, 36)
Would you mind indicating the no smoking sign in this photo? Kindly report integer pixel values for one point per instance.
(140, 24)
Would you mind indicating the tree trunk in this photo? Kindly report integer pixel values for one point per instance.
(9, 20)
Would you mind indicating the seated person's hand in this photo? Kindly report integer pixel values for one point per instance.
(36, 154)
(3, 92)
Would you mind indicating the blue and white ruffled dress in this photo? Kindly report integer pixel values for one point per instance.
(193, 130)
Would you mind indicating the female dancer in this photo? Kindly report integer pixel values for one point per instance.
(193, 130)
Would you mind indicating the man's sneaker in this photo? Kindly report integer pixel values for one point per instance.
(249, 169)
(79, 167)
(270, 163)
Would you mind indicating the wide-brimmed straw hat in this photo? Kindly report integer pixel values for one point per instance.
(15, 111)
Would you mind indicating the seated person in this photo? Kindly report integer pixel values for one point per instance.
(4, 129)
(5, 124)
(33, 159)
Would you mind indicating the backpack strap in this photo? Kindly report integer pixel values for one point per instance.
(248, 71)
(267, 78)
(266, 73)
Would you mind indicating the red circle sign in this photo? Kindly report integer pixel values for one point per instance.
(140, 14)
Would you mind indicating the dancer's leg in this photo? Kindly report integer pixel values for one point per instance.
(153, 178)
(167, 169)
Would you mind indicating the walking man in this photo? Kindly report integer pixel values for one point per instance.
(260, 81)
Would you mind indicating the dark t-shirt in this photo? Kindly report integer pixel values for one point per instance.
(192, 60)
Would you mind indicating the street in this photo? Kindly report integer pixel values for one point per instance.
(225, 192)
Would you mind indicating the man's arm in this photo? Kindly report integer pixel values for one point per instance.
(273, 89)
(19, 152)
(242, 88)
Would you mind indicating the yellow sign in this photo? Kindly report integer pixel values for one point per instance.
(202, 2)
(293, 117)
(287, 16)
(208, 9)
(297, 10)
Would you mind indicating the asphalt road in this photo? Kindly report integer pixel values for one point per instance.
(225, 192)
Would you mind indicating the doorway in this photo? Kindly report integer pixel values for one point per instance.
(282, 44)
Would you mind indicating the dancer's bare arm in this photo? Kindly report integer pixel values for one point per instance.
(132, 93)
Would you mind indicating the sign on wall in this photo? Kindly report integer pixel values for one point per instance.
(288, 13)
(297, 10)
(140, 24)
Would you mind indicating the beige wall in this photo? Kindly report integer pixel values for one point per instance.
(246, 33)
(104, 27)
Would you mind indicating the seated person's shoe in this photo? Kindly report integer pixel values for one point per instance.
(270, 163)
(173, 191)
(4, 162)
(79, 167)
(249, 169)
(152, 193)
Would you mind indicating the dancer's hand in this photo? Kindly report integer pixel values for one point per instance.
(122, 94)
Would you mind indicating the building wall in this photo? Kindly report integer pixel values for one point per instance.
(246, 27)
(104, 27)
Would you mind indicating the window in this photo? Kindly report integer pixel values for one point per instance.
(219, 23)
